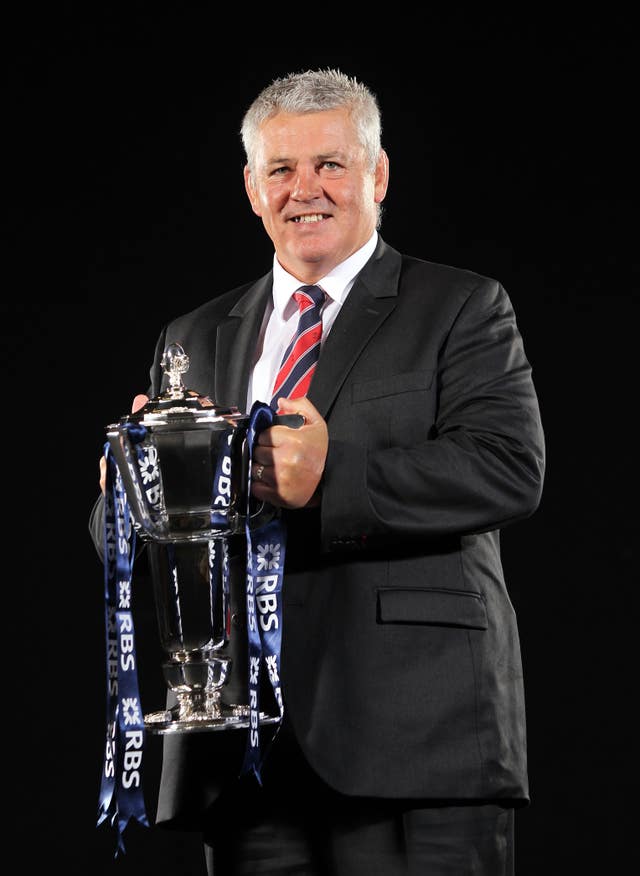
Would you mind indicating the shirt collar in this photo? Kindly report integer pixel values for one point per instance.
(337, 283)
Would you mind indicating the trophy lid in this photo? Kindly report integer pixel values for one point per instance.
(178, 405)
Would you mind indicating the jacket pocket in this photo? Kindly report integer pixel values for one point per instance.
(394, 384)
(450, 608)
(395, 411)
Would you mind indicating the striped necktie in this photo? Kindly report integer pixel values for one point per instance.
(300, 357)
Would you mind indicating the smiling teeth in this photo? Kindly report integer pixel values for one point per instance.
(316, 217)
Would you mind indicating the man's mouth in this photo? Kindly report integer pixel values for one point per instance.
(311, 217)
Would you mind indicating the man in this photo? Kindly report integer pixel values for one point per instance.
(403, 745)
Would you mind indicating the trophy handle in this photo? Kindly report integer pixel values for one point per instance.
(258, 510)
(294, 421)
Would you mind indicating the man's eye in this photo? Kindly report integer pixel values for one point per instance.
(331, 165)
(279, 171)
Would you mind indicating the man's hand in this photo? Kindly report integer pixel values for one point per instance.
(288, 463)
(138, 402)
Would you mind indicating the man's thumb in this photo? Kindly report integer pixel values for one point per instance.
(298, 406)
(139, 402)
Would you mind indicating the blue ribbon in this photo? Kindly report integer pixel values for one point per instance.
(265, 571)
(221, 498)
(121, 798)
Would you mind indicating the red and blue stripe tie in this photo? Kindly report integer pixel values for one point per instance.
(300, 357)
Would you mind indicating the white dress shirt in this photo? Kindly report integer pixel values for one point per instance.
(281, 316)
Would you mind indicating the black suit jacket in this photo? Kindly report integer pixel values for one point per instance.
(401, 665)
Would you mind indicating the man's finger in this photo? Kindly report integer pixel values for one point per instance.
(139, 402)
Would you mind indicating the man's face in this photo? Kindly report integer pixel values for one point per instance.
(313, 191)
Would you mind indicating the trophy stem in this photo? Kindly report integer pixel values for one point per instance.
(191, 706)
(199, 710)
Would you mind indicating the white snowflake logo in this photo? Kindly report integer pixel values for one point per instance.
(131, 710)
(272, 669)
(124, 600)
(149, 466)
(268, 556)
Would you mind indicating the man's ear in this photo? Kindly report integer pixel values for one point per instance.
(251, 191)
(381, 177)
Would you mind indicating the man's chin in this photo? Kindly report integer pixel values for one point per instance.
(311, 253)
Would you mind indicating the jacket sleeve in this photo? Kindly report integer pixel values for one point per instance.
(477, 468)
(96, 526)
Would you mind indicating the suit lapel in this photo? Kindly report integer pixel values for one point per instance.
(236, 341)
(368, 304)
(370, 301)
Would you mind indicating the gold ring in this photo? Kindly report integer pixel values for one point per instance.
(259, 471)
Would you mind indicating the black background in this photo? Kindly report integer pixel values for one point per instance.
(510, 144)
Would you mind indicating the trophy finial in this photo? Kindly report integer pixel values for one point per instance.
(175, 362)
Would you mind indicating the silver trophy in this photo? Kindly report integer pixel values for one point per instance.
(184, 465)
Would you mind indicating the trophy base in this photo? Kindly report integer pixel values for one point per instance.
(226, 718)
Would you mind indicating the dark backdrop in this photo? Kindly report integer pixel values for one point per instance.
(510, 150)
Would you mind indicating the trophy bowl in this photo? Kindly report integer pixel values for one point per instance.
(183, 461)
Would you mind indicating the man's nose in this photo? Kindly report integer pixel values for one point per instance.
(306, 184)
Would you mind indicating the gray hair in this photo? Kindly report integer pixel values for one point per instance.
(310, 92)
